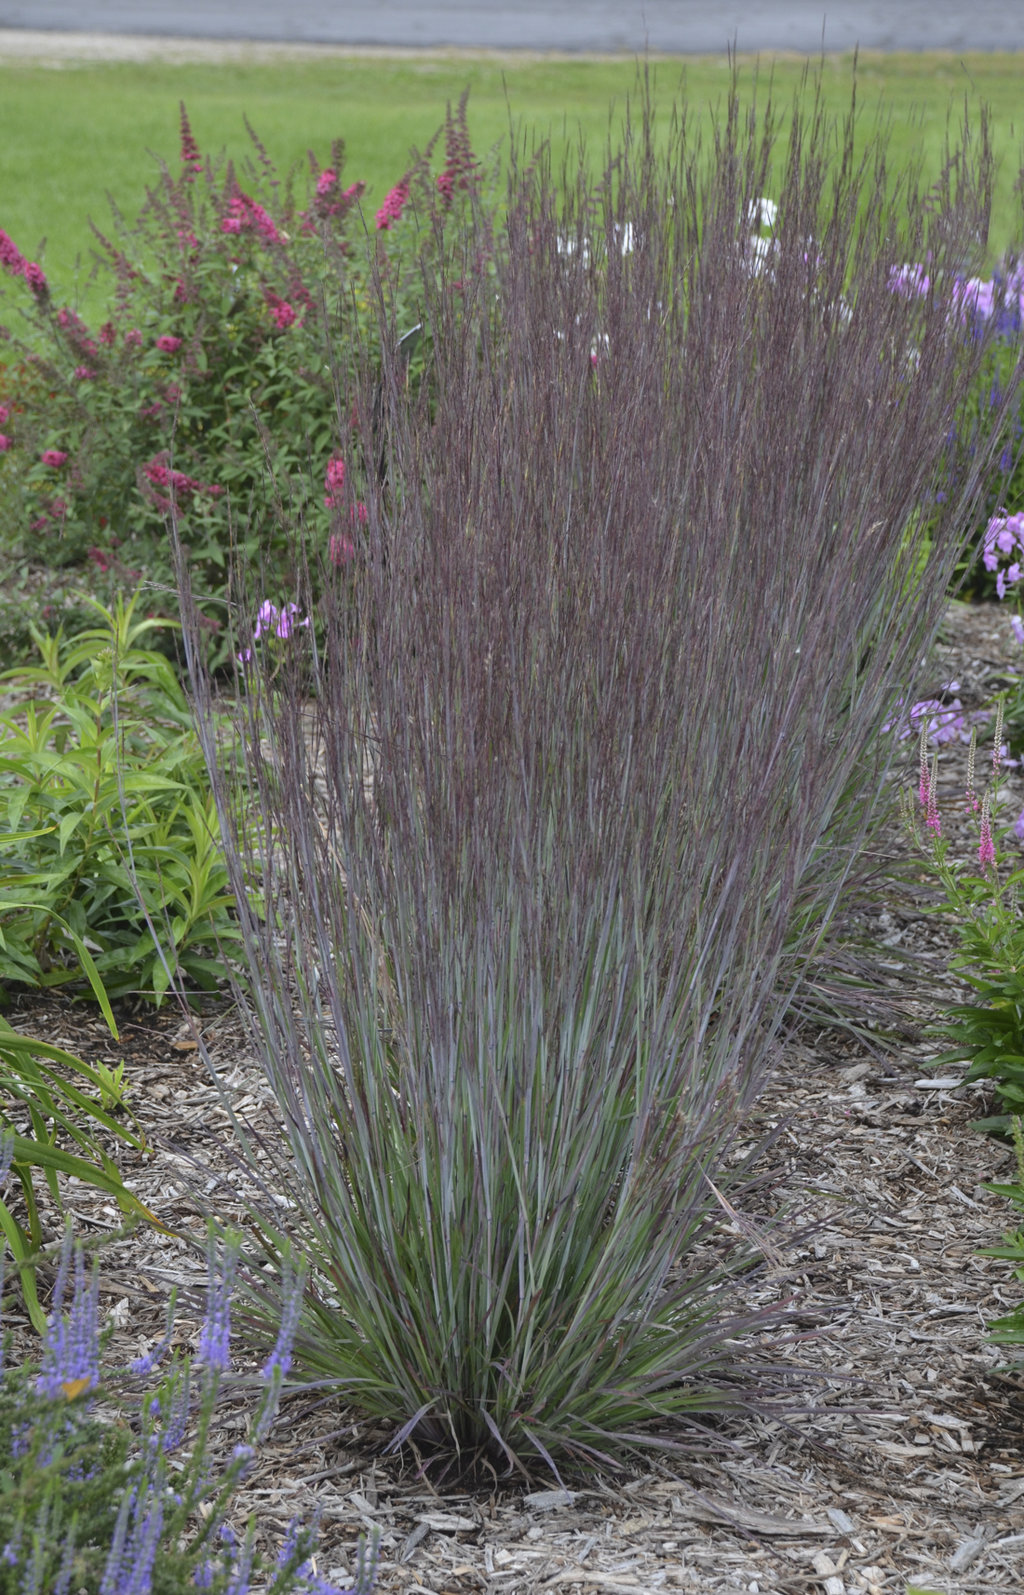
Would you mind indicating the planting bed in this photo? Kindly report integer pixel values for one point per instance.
(910, 1470)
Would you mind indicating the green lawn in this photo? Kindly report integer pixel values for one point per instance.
(73, 135)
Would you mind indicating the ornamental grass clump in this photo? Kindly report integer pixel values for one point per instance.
(587, 774)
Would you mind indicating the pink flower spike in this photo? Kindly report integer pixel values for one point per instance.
(168, 343)
(933, 819)
(986, 846)
(340, 549)
(5, 443)
(53, 457)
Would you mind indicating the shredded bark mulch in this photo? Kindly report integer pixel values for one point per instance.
(908, 1469)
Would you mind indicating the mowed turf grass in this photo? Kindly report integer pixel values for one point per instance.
(71, 136)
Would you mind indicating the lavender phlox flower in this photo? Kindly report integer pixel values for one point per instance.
(909, 280)
(266, 618)
(270, 620)
(286, 622)
(974, 295)
(1017, 627)
(936, 720)
(214, 1350)
(1004, 536)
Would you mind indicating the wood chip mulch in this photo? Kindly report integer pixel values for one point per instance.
(910, 1468)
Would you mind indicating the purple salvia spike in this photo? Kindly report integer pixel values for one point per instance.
(177, 1415)
(239, 1582)
(214, 1340)
(112, 1581)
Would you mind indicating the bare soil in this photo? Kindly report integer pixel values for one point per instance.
(910, 1470)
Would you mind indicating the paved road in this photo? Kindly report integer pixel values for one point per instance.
(693, 26)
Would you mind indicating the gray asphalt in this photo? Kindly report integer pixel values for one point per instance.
(674, 26)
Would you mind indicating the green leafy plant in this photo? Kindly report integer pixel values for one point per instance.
(1009, 1330)
(112, 871)
(55, 1120)
(126, 1507)
(982, 908)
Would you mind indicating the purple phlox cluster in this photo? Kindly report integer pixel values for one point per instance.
(394, 204)
(70, 1362)
(271, 621)
(1002, 549)
(939, 720)
(222, 1264)
(129, 1569)
(909, 281)
(999, 299)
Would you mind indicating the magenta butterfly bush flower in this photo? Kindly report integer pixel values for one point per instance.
(168, 343)
(393, 206)
(53, 458)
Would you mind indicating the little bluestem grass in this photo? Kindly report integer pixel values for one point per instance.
(558, 804)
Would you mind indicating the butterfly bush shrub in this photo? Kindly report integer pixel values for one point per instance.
(115, 1487)
(589, 771)
(208, 391)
